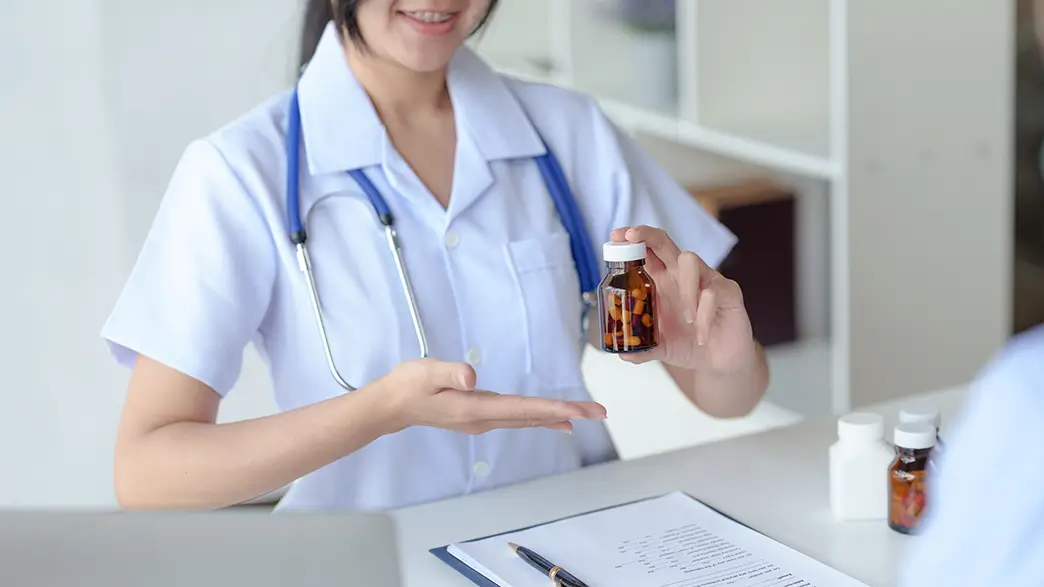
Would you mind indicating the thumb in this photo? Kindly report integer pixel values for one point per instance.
(446, 375)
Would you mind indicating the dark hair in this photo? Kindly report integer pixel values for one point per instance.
(320, 12)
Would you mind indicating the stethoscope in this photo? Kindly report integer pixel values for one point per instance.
(557, 185)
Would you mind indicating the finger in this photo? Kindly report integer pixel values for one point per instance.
(566, 427)
(730, 296)
(657, 241)
(619, 235)
(653, 263)
(448, 375)
(688, 275)
(705, 315)
(535, 410)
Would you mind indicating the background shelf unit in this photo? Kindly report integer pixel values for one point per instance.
(890, 122)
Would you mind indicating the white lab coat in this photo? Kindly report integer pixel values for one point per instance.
(493, 273)
(984, 520)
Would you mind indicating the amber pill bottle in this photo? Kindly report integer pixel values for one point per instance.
(626, 300)
(907, 492)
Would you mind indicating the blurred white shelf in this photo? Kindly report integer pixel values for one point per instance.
(596, 40)
(873, 137)
(785, 146)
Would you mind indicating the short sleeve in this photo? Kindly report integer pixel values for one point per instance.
(647, 194)
(203, 279)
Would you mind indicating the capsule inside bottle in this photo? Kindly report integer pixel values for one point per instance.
(627, 298)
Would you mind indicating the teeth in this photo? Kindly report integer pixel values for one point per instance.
(428, 16)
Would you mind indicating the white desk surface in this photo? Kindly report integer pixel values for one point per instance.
(776, 482)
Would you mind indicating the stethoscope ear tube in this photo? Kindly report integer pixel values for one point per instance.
(407, 288)
(299, 238)
(305, 262)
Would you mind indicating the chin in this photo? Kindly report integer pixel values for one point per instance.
(429, 62)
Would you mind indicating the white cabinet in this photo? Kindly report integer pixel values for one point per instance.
(890, 119)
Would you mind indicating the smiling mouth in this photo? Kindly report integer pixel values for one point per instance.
(429, 17)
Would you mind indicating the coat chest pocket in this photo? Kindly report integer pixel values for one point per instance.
(548, 294)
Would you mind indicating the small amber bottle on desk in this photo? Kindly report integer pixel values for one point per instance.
(626, 300)
(907, 481)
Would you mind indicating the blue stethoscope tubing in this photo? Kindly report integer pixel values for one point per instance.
(557, 186)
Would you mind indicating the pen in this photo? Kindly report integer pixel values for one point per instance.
(557, 574)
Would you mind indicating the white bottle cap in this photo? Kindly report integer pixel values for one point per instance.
(860, 426)
(915, 435)
(614, 252)
(920, 413)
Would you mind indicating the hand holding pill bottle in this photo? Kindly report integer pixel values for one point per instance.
(626, 300)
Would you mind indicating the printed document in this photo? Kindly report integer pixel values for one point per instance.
(669, 541)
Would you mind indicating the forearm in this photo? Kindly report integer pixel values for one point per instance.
(201, 466)
(729, 395)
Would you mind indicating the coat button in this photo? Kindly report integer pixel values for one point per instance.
(473, 357)
(451, 239)
(481, 469)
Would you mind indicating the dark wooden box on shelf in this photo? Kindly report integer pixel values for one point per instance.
(762, 215)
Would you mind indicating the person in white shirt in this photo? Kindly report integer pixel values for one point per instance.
(985, 521)
(397, 133)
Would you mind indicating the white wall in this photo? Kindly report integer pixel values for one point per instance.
(58, 401)
(97, 104)
(929, 150)
(172, 76)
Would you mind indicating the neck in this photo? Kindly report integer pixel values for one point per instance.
(397, 92)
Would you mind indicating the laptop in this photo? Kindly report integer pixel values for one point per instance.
(180, 549)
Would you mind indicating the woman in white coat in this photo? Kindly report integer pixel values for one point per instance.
(451, 150)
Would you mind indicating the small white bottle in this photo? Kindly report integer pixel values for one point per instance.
(915, 413)
(927, 414)
(859, 462)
